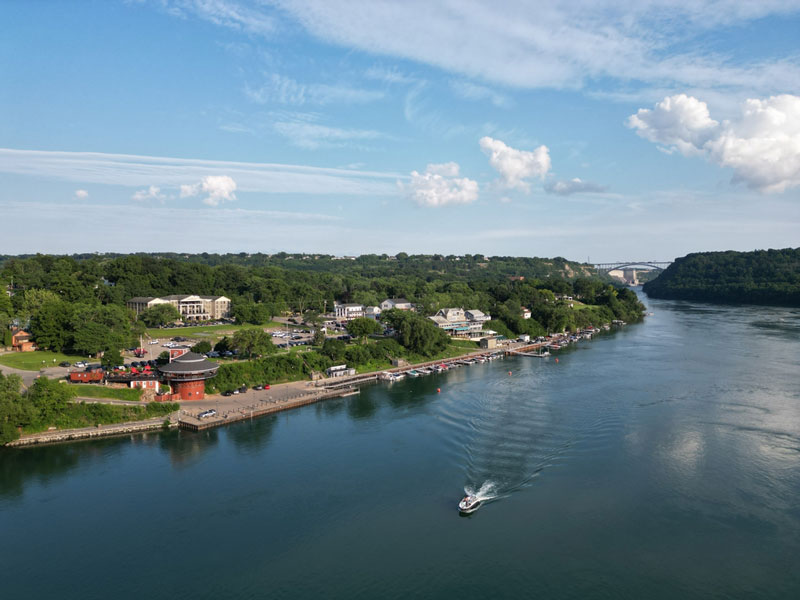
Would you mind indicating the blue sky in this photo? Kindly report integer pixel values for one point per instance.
(573, 129)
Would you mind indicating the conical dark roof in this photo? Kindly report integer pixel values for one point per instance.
(191, 362)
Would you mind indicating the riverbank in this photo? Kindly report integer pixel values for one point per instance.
(279, 398)
(87, 433)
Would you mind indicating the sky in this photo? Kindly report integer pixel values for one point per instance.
(589, 129)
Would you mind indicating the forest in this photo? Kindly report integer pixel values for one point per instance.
(767, 277)
(77, 303)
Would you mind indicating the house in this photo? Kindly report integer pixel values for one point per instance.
(458, 322)
(477, 316)
(190, 306)
(488, 343)
(21, 341)
(398, 303)
(526, 313)
(372, 312)
(348, 312)
(340, 371)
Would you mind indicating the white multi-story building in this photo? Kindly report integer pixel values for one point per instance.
(348, 312)
(191, 307)
(458, 322)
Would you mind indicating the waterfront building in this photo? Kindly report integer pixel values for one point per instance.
(460, 323)
(191, 307)
(340, 371)
(187, 375)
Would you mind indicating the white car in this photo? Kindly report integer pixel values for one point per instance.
(153, 342)
(81, 364)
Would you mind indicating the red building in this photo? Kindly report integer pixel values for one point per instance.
(187, 375)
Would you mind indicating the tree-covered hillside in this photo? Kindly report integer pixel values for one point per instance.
(769, 277)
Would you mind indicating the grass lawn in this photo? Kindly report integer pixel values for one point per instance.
(32, 361)
(103, 391)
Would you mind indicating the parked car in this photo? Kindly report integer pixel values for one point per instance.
(207, 413)
(258, 387)
(81, 364)
(243, 389)
(227, 393)
(63, 364)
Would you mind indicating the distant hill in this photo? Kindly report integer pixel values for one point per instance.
(769, 277)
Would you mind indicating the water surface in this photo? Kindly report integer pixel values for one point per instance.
(661, 461)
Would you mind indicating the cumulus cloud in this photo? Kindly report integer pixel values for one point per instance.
(762, 145)
(679, 122)
(515, 166)
(574, 186)
(440, 185)
(81, 194)
(215, 188)
(151, 193)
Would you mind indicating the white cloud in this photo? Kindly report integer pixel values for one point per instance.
(680, 121)
(762, 145)
(440, 185)
(215, 188)
(81, 194)
(151, 193)
(227, 13)
(563, 44)
(302, 130)
(515, 166)
(473, 91)
(574, 186)
(448, 169)
(285, 90)
(142, 171)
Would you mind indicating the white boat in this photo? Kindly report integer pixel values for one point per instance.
(469, 504)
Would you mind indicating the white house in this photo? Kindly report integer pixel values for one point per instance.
(398, 303)
(348, 312)
(526, 313)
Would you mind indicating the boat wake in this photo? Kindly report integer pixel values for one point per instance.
(487, 491)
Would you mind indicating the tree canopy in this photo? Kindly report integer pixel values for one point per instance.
(770, 277)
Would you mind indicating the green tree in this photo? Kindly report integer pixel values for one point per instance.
(253, 342)
(159, 315)
(14, 410)
(417, 333)
(363, 327)
(51, 325)
(202, 347)
(224, 345)
(111, 358)
(334, 349)
(49, 398)
(319, 337)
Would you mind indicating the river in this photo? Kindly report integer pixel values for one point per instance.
(658, 461)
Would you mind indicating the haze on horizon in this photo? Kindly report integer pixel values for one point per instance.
(580, 129)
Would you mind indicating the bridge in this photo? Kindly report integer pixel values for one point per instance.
(658, 265)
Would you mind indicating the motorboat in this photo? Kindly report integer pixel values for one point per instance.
(469, 504)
